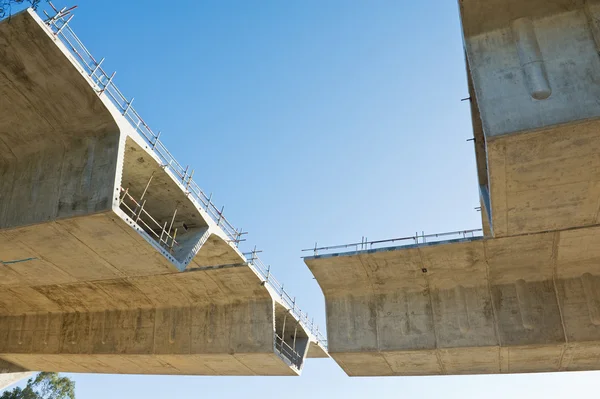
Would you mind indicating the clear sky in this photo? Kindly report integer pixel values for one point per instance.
(310, 121)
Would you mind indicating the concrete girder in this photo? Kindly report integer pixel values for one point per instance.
(88, 282)
(477, 306)
(533, 68)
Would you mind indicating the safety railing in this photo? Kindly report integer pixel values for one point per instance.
(139, 215)
(288, 352)
(265, 273)
(104, 84)
(422, 238)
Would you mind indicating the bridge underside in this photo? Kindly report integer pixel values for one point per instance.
(107, 263)
(533, 68)
(217, 321)
(496, 305)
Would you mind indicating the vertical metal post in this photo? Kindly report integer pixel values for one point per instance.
(156, 140)
(140, 212)
(124, 195)
(185, 173)
(295, 332)
(96, 67)
(283, 330)
(128, 106)
(173, 240)
(109, 82)
(268, 273)
(64, 25)
(162, 233)
(172, 221)
(220, 215)
(147, 185)
(190, 179)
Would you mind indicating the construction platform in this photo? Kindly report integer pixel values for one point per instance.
(112, 260)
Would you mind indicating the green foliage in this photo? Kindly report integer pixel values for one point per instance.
(44, 386)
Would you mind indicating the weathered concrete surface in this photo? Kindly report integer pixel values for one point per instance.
(532, 70)
(497, 305)
(220, 320)
(85, 284)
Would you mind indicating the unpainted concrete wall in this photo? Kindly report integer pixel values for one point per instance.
(57, 152)
(517, 304)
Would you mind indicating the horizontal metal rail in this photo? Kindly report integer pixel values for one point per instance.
(288, 352)
(410, 240)
(136, 215)
(104, 85)
(265, 273)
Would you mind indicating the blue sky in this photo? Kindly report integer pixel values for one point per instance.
(311, 121)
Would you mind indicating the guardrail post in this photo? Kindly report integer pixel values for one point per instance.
(172, 221)
(156, 140)
(128, 106)
(108, 83)
(96, 68)
(190, 179)
(64, 25)
(173, 241)
(208, 204)
(124, 195)
(162, 233)
(140, 212)
(220, 215)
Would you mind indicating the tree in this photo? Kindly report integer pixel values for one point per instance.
(6, 5)
(44, 386)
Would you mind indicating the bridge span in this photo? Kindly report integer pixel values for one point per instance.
(112, 259)
(523, 297)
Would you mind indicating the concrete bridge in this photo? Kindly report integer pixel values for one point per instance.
(525, 296)
(112, 260)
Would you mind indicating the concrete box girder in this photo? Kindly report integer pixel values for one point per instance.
(533, 87)
(495, 305)
(88, 283)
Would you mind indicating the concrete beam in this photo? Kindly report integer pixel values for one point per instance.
(532, 68)
(483, 306)
(108, 263)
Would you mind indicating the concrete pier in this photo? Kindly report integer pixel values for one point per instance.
(111, 258)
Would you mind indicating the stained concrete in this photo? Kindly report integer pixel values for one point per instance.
(85, 286)
(531, 68)
(496, 305)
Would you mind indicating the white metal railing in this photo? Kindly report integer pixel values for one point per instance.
(265, 273)
(139, 215)
(288, 352)
(104, 84)
(422, 238)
